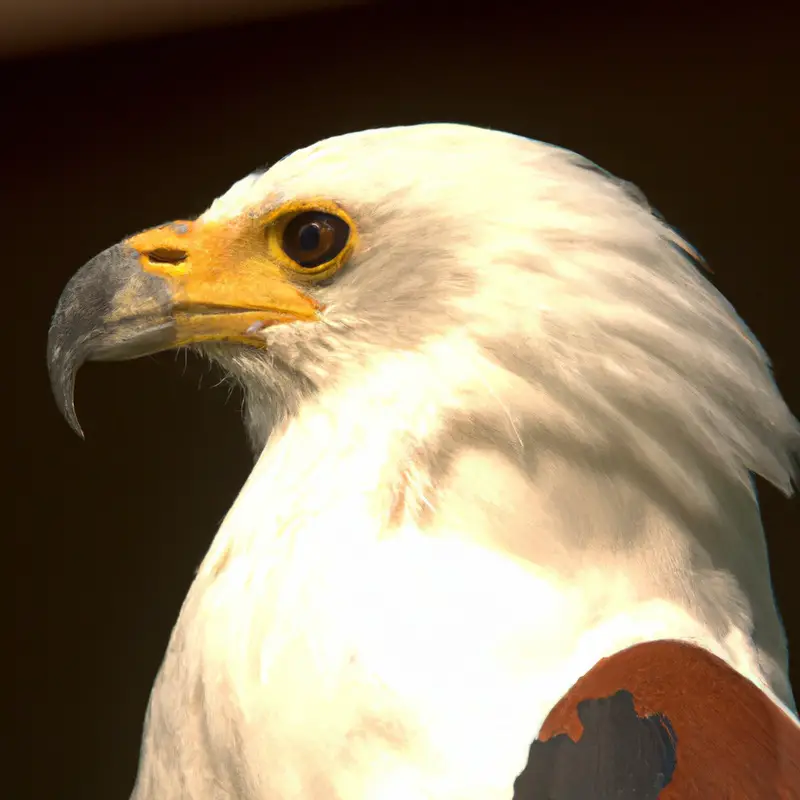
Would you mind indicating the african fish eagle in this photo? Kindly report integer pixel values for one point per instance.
(501, 534)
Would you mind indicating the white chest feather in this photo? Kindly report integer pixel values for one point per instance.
(350, 635)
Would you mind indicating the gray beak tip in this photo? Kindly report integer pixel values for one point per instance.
(72, 420)
(62, 381)
(91, 323)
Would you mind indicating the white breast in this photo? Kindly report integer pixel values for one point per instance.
(341, 651)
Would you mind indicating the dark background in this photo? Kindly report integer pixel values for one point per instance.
(699, 108)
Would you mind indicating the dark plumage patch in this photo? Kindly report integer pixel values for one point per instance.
(618, 755)
(664, 720)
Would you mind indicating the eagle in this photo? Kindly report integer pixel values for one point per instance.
(501, 537)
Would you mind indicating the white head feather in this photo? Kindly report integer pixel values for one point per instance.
(553, 268)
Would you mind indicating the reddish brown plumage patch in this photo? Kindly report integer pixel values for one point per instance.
(732, 740)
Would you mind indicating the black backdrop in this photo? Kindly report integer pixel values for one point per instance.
(697, 107)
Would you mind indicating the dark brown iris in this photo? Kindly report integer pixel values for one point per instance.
(314, 238)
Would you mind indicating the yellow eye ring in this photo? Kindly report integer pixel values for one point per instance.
(312, 238)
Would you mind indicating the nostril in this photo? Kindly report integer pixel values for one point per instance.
(167, 255)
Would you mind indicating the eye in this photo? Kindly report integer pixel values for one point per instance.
(314, 237)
